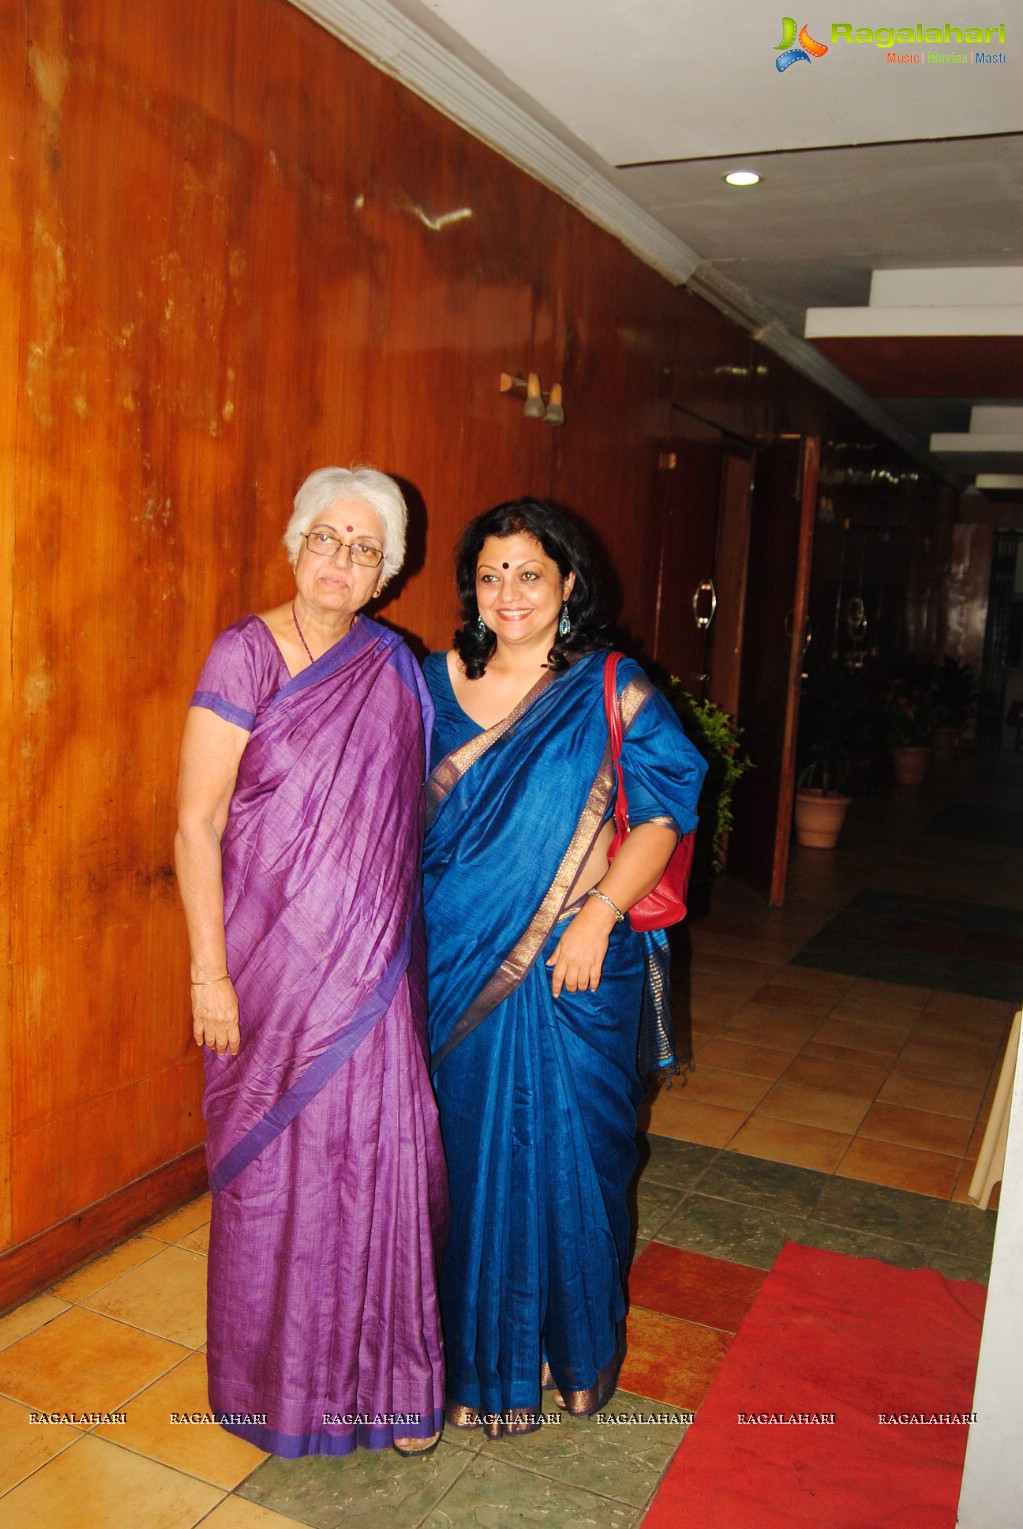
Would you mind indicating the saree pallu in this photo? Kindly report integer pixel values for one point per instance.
(322, 1142)
(538, 1096)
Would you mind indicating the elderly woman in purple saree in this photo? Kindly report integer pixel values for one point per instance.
(298, 855)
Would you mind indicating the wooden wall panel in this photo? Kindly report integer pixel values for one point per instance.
(12, 46)
(245, 253)
(616, 347)
(230, 252)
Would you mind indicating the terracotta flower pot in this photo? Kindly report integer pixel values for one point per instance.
(945, 741)
(911, 764)
(819, 817)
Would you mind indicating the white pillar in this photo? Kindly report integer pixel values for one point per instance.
(992, 1490)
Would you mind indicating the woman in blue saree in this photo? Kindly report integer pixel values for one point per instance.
(536, 979)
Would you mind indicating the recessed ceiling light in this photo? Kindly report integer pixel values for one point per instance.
(742, 178)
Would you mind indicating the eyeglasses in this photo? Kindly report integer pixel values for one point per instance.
(365, 554)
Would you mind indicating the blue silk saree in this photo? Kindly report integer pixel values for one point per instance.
(322, 1139)
(538, 1096)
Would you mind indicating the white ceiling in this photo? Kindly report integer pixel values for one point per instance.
(666, 79)
(634, 110)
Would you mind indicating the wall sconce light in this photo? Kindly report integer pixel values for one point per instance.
(534, 407)
(555, 414)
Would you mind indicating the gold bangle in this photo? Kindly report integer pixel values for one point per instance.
(596, 892)
(210, 980)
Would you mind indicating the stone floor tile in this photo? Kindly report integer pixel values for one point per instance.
(198, 1449)
(82, 1362)
(492, 1494)
(29, 1316)
(94, 1483)
(27, 1445)
(768, 1185)
(672, 1361)
(165, 1295)
(693, 1287)
(373, 1489)
(742, 1234)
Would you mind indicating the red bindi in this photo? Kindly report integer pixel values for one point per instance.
(349, 528)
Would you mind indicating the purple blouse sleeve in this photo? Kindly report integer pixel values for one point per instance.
(239, 674)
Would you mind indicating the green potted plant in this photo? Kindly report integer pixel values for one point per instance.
(954, 691)
(832, 734)
(717, 736)
(910, 719)
(821, 805)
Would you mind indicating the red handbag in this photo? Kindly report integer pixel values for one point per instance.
(666, 903)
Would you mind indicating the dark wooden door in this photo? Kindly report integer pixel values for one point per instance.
(781, 528)
(689, 492)
(731, 567)
(993, 675)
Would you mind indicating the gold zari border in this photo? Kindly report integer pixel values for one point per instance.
(633, 698)
(581, 1404)
(519, 1420)
(450, 771)
(522, 955)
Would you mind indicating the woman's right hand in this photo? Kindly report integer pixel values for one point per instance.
(215, 1017)
(211, 751)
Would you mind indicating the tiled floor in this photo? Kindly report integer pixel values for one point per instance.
(829, 1067)
(826, 1107)
(866, 1079)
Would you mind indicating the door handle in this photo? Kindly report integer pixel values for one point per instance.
(704, 619)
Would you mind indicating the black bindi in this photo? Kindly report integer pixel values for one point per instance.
(504, 565)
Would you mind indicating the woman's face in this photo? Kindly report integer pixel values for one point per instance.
(334, 584)
(519, 590)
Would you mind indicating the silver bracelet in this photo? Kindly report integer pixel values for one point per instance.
(596, 892)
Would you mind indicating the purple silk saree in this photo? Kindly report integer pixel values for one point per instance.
(322, 1142)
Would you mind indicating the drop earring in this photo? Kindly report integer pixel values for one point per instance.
(564, 625)
(481, 628)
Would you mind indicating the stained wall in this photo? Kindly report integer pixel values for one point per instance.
(232, 251)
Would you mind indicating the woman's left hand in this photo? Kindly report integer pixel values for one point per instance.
(578, 957)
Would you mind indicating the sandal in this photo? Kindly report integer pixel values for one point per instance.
(418, 1446)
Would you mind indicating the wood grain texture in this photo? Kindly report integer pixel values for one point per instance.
(12, 45)
(31, 1266)
(231, 252)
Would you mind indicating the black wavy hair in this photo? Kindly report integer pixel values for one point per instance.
(565, 543)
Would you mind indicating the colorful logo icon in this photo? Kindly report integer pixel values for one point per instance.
(807, 50)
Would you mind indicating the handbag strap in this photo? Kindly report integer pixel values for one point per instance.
(614, 726)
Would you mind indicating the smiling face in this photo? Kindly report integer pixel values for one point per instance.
(520, 591)
(334, 586)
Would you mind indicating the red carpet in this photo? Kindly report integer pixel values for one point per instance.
(849, 1336)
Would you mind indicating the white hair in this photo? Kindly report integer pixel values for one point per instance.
(328, 486)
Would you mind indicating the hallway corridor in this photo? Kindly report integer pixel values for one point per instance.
(846, 1051)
